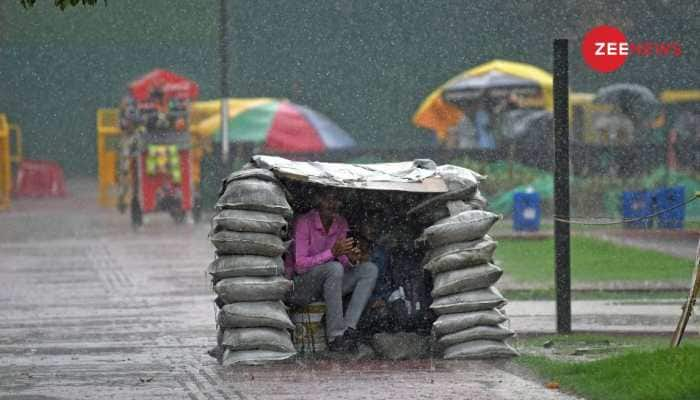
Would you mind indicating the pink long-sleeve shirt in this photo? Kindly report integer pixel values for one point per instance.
(312, 244)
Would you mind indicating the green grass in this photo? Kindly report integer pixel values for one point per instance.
(591, 260)
(692, 225)
(663, 374)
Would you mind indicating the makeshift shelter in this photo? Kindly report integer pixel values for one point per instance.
(435, 228)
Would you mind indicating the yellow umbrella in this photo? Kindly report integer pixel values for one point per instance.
(438, 114)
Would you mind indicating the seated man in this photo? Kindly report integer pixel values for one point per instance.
(326, 264)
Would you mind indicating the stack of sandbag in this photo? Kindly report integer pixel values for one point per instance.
(463, 194)
(248, 273)
(459, 255)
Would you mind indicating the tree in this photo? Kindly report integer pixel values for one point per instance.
(62, 4)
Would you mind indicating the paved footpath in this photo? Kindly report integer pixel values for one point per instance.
(91, 310)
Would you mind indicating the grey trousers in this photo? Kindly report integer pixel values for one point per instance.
(330, 282)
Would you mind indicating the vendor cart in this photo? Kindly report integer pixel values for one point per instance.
(156, 166)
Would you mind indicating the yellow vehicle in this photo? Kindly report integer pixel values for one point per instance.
(8, 157)
(680, 96)
(679, 105)
(682, 127)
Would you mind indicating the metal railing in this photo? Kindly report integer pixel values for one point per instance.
(5, 163)
(108, 133)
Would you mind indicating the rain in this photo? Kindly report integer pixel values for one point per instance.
(312, 199)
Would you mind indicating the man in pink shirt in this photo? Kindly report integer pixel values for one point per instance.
(325, 265)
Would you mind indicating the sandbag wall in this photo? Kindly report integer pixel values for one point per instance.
(248, 232)
(459, 255)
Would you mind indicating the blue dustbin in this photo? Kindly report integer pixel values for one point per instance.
(636, 205)
(527, 211)
(666, 198)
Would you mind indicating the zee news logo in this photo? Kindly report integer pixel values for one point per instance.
(605, 49)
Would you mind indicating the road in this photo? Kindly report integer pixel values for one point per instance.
(91, 310)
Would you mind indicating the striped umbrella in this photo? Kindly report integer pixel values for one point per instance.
(279, 125)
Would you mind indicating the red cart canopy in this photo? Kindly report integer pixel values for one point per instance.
(172, 85)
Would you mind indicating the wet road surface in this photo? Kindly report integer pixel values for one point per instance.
(91, 310)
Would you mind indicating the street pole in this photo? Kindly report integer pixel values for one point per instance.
(223, 54)
(562, 232)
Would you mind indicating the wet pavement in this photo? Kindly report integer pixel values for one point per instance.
(91, 310)
(658, 317)
(678, 243)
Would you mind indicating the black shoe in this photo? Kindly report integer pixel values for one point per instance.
(343, 344)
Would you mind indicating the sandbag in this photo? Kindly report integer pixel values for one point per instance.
(478, 201)
(232, 290)
(261, 244)
(459, 255)
(459, 177)
(441, 200)
(248, 173)
(257, 339)
(456, 207)
(253, 357)
(485, 332)
(463, 227)
(450, 323)
(432, 215)
(249, 314)
(255, 195)
(462, 184)
(401, 346)
(249, 221)
(477, 300)
(243, 265)
(480, 349)
(466, 279)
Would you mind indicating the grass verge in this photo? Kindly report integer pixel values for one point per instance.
(657, 375)
(591, 260)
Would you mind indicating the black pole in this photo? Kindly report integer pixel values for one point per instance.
(223, 47)
(223, 54)
(562, 233)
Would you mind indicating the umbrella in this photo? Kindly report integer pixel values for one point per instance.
(170, 83)
(441, 110)
(281, 126)
(470, 88)
(635, 101)
(525, 124)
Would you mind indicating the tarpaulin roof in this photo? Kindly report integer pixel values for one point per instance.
(418, 176)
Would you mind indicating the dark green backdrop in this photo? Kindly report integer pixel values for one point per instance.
(365, 64)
